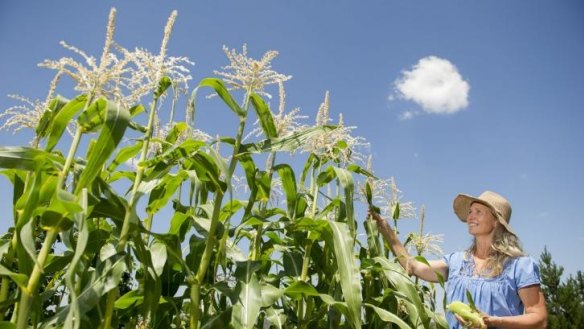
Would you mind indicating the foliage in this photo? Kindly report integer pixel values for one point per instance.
(83, 252)
(564, 300)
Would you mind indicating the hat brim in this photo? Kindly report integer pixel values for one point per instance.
(462, 204)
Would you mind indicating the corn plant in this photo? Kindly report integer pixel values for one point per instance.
(83, 249)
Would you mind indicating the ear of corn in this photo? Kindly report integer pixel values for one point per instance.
(472, 317)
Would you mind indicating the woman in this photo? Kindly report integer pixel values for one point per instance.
(503, 282)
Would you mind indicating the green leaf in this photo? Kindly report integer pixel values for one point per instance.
(111, 134)
(292, 263)
(326, 176)
(163, 85)
(183, 151)
(223, 93)
(55, 105)
(402, 283)
(179, 225)
(270, 295)
(299, 289)
(27, 158)
(7, 325)
(346, 180)
(159, 256)
(386, 316)
(250, 169)
(136, 109)
(73, 317)
(106, 277)
(208, 171)
(61, 120)
(125, 154)
(221, 320)
(131, 298)
(288, 143)
(21, 280)
(289, 184)
(350, 278)
(471, 302)
(94, 116)
(175, 132)
(59, 214)
(164, 191)
(357, 169)
(395, 210)
(368, 194)
(277, 317)
(249, 299)
(264, 115)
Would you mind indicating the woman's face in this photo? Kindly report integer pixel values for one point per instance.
(480, 220)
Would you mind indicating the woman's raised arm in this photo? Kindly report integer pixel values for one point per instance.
(410, 264)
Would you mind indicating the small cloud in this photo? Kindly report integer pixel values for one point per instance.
(435, 84)
(543, 214)
(416, 155)
(406, 115)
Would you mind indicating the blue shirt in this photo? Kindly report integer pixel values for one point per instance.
(497, 296)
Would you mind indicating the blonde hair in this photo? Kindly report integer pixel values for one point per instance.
(505, 245)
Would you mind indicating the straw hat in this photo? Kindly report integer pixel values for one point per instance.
(500, 207)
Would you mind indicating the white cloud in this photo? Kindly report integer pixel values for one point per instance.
(434, 84)
(406, 115)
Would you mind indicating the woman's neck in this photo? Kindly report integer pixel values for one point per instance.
(483, 247)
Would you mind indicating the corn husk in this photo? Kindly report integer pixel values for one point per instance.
(471, 316)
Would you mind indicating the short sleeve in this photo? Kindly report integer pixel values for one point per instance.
(453, 261)
(526, 272)
(447, 258)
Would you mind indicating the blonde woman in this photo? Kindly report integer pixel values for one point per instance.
(502, 280)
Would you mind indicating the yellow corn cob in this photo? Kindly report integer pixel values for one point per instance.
(469, 315)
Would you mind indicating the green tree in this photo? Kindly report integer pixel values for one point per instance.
(564, 300)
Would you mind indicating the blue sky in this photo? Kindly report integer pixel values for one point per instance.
(517, 130)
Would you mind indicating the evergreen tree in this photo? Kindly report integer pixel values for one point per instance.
(564, 300)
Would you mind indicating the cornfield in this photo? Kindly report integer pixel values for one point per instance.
(104, 170)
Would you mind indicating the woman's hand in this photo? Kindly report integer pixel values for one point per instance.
(490, 321)
(465, 324)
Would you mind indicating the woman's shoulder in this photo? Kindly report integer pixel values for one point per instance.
(522, 261)
(455, 257)
(524, 270)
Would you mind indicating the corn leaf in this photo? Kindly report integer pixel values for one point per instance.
(246, 308)
(106, 277)
(125, 154)
(55, 105)
(27, 158)
(61, 120)
(223, 93)
(7, 325)
(350, 278)
(163, 85)
(289, 184)
(264, 115)
(164, 191)
(111, 134)
(20, 279)
(289, 143)
(94, 116)
(299, 289)
(386, 316)
(400, 280)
